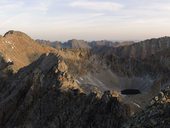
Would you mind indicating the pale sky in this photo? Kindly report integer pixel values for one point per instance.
(86, 19)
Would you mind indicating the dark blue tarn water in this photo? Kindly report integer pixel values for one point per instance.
(130, 92)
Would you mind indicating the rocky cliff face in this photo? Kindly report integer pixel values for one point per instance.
(36, 97)
(144, 49)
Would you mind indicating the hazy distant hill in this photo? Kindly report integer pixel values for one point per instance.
(55, 44)
(75, 44)
(84, 44)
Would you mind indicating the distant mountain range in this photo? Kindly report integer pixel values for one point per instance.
(83, 44)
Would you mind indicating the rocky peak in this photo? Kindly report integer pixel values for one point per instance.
(15, 33)
(36, 97)
(20, 48)
(50, 63)
(76, 44)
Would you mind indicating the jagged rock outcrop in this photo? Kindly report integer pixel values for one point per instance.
(34, 97)
(154, 116)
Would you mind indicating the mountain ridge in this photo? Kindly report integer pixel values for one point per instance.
(78, 87)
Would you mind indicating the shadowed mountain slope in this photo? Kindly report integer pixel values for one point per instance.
(34, 97)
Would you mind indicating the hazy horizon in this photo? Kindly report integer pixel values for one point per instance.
(86, 19)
